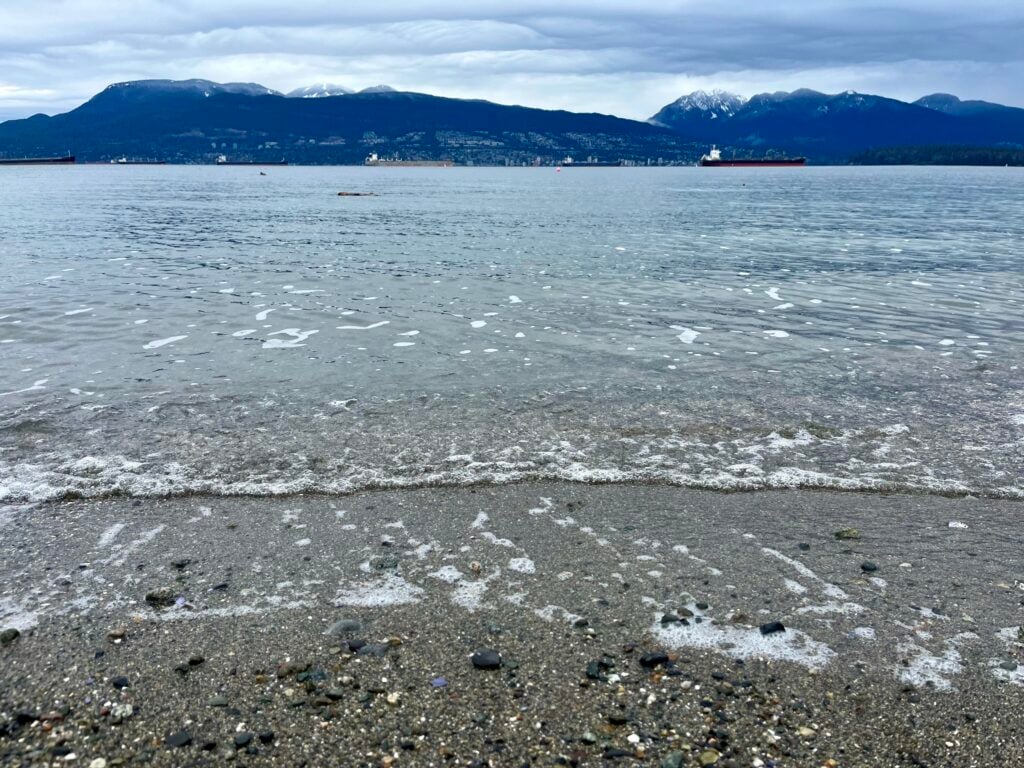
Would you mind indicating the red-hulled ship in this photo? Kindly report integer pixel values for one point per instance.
(714, 160)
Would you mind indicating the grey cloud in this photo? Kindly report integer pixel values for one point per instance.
(623, 57)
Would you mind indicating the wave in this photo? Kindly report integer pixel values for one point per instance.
(97, 477)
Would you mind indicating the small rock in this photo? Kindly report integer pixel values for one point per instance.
(394, 698)
(384, 562)
(672, 760)
(8, 636)
(242, 740)
(266, 737)
(486, 659)
(1009, 666)
(218, 701)
(803, 546)
(438, 682)
(164, 597)
(117, 634)
(772, 627)
(847, 534)
(868, 567)
(344, 626)
(807, 733)
(588, 738)
(179, 739)
(654, 659)
(669, 618)
(708, 757)
(99, 762)
(195, 660)
(120, 682)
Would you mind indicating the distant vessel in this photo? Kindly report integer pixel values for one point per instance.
(223, 160)
(714, 160)
(374, 160)
(39, 160)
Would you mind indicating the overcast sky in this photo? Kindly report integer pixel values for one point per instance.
(627, 58)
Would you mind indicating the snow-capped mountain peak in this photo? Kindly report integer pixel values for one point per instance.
(715, 102)
(319, 91)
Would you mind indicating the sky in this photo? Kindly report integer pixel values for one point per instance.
(627, 58)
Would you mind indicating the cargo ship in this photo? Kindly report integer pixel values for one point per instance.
(38, 160)
(714, 159)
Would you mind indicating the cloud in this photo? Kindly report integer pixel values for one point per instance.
(626, 58)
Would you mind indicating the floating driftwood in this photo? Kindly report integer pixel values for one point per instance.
(357, 194)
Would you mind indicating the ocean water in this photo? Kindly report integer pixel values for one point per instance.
(168, 330)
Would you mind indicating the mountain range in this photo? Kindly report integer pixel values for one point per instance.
(834, 126)
(197, 120)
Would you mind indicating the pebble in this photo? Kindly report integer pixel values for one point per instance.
(485, 658)
(164, 597)
(8, 636)
(846, 534)
(120, 682)
(117, 634)
(344, 626)
(242, 740)
(868, 567)
(708, 757)
(99, 762)
(1009, 666)
(218, 701)
(672, 760)
(807, 733)
(179, 739)
(588, 738)
(266, 737)
(772, 627)
(653, 659)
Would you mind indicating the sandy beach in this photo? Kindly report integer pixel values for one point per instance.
(626, 625)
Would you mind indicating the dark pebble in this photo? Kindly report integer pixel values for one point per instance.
(266, 737)
(344, 626)
(772, 627)
(1009, 666)
(120, 682)
(803, 546)
(485, 658)
(242, 740)
(868, 567)
(653, 659)
(8, 636)
(702, 606)
(179, 739)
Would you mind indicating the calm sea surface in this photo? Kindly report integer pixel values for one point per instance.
(177, 329)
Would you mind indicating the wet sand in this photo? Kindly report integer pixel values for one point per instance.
(630, 623)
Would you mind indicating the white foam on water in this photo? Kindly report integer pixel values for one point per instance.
(410, 333)
(246, 332)
(522, 565)
(925, 667)
(108, 536)
(498, 542)
(795, 587)
(481, 519)
(163, 342)
(478, 323)
(261, 316)
(387, 591)
(34, 388)
(369, 327)
(687, 335)
(863, 633)
(745, 642)
(828, 588)
(514, 300)
(78, 311)
(947, 343)
(773, 294)
(298, 337)
(776, 334)
(447, 573)
(404, 344)
(553, 612)
(843, 609)
(15, 615)
(303, 543)
(122, 553)
(229, 611)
